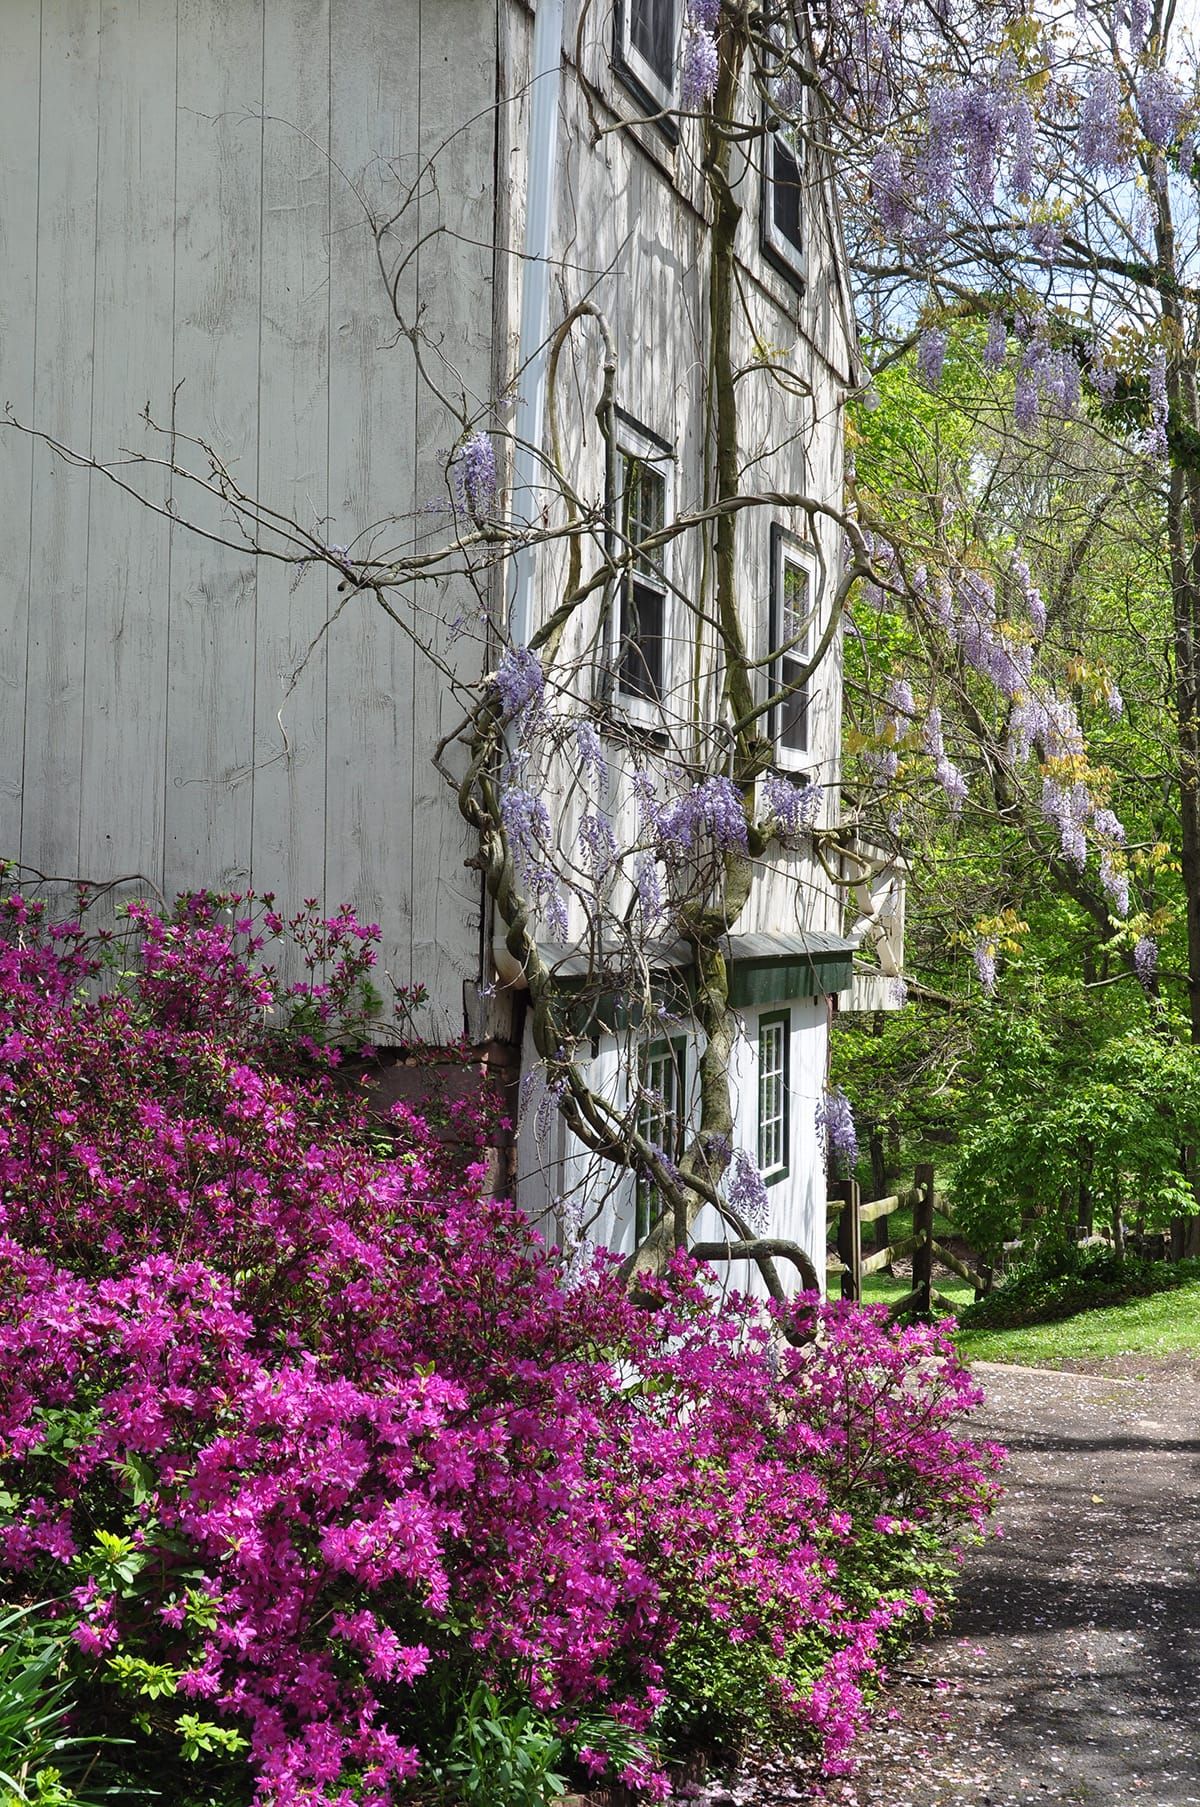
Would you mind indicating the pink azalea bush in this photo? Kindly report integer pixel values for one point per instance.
(309, 1439)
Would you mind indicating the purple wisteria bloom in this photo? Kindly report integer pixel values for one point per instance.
(475, 474)
(747, 1193)
(931, 356)
(592, 762)
(521, 685)
(996, 350)
(1145, 960)
(835, 1127)
(712, 809)
(887, 187)
(794, 806)
(1160, 103)
(1099, 137)
(699, 62)
(984, 956)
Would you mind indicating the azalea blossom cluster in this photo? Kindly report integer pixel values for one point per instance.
(327, 1437)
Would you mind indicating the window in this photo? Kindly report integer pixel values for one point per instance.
(783, 204)
(660, 1119)
(647, 38)
(792, 614)
(774, 1034)
(643, 508)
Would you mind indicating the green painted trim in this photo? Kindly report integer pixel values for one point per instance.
(783, 980)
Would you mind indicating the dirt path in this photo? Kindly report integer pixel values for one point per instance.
(1071, 1673)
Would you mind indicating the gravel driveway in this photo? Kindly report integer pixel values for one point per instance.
(1071, 1672)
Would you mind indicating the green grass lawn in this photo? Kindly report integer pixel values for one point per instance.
(1164, 1323)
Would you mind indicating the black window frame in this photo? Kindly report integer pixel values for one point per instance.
(787, 255)
(645, 591)
(654, 93)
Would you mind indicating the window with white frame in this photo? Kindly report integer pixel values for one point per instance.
(647, 36)
(792, 620)
(642, 611)
(774, 1035)
(782, 210)
(661, 1114)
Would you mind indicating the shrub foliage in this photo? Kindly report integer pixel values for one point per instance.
(317, 1448)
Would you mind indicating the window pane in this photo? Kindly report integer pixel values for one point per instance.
(793, 710)
(792, 720)
(785, 195)
(652, 35)
(645, 509)
(794, 625)
(772, 1097)
(660, 1122)
(641, 672)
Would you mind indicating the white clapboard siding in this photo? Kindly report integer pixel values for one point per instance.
(290, 700)
(375, 89)
(211, 599)
(64, 198)
(127, 632)
(181, 190)
(459, 55)
(19, 123)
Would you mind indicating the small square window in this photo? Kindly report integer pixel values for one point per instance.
(792, 618)
(647, 40)
(774, 1034)
(641, 617)
(783, 204)
(661, 1117)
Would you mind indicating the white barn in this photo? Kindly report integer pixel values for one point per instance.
(187, 259)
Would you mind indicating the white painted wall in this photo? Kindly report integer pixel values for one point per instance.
(563, 1184)
(185, 202)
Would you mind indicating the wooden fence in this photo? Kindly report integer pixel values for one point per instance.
(847, 1213)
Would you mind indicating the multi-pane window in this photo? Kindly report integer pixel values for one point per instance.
(791, 636)
(660, 1118)
(643, 607)
(773, 1032)
(646, 45)
(783, 203)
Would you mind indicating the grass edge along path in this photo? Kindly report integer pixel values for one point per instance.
(1157, 1324)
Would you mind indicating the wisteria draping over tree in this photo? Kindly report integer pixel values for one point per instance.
(1026, 167)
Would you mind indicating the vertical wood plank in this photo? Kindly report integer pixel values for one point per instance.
(66, 222)
(455, 279)
(849, 1238)
(210, 700)
(289, 792)
(374, 99)
(122, 782)
(923, 1231)
(19, 137)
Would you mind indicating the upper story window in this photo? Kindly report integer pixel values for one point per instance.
(646, 45)
(643, 509)
(792, 619)
(783, 204)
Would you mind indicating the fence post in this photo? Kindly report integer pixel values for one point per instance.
(849, 1239)
(923, 1231)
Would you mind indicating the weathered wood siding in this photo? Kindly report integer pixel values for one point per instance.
(185, 191)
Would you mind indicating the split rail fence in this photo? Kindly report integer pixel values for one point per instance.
(847, 1214)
